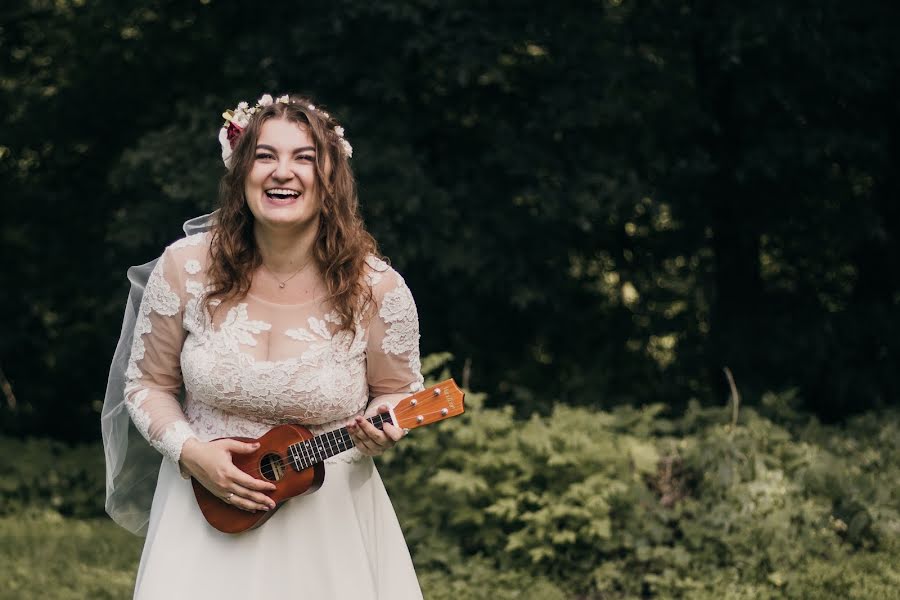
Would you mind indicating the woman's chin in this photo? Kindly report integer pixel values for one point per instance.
(285, 220)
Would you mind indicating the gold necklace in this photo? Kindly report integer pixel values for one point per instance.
(281, 283)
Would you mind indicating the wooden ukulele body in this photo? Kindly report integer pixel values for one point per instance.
(269, 462)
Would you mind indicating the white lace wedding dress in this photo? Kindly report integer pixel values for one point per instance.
(256, 364)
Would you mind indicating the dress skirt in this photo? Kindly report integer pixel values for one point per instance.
(342, 541)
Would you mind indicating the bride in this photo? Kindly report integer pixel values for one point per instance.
(278, 310)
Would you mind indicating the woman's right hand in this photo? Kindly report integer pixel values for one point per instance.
(210, 463)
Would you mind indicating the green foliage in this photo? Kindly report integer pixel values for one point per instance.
(52, 476)
(629, 503)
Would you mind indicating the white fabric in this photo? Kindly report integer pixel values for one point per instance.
(256, 363)
(342, 541)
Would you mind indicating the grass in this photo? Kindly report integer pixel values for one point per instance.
(46, 556)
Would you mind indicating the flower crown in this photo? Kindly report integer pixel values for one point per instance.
(237, 119)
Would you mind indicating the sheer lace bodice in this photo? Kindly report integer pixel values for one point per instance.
(257, 363)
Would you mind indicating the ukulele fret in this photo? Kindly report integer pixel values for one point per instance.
(307, 454)
(295, 456)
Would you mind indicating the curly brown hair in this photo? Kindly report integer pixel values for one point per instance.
(342, 242)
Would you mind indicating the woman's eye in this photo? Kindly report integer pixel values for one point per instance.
(262, 155)
(307, 157)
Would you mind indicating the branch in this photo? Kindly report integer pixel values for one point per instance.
(735, 397)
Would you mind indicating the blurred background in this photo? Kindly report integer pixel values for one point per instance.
(599, 207)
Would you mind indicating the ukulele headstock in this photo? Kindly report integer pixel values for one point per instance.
(436, 403)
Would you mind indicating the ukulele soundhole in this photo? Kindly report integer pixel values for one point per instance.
(272, 467)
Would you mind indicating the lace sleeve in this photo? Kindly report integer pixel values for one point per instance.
(392, 351)
(153, 377)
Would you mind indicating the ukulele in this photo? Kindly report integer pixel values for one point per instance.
(292, 458)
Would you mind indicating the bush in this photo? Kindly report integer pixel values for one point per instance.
(629, 503)
(46, 474)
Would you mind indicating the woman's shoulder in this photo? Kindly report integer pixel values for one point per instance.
(192, 247)
(386, 282)
(188, 255)
(379, 274)
(196, 240)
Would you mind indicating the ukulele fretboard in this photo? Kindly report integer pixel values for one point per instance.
(315, 450)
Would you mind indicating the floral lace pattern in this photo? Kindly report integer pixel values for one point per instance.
(320, 376)
(158, 298)
(192, 266)
(402, 337)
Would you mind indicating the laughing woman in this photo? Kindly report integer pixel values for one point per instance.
(281, 312)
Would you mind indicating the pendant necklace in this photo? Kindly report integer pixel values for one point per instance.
(281, 283)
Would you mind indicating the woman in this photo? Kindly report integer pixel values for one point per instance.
(280, 313)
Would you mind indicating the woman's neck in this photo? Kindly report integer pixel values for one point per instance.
(285, 250)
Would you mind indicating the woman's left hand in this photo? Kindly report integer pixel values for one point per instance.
(369, 440)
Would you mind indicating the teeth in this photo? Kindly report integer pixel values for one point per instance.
(283, 192)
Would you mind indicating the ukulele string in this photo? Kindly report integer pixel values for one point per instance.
(331, 445)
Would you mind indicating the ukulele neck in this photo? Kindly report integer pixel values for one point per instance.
(311, 452)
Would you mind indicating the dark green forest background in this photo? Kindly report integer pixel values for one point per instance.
(595, 203)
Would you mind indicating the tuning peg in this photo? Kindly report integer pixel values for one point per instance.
(444, 412)
(413, 402)
(437, 391)
(420, 419)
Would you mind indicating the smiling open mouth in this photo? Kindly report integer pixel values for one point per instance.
(282, 193)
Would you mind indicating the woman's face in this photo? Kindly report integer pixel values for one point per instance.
(281, 186)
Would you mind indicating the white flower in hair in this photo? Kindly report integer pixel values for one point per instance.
(348, 149)
(241, 119)
(339, 131)
(311, 106)
(265, 100)
(226, 148)
(284, 99)
(243, 106)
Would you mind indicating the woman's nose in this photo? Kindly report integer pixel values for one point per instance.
(282, 170)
